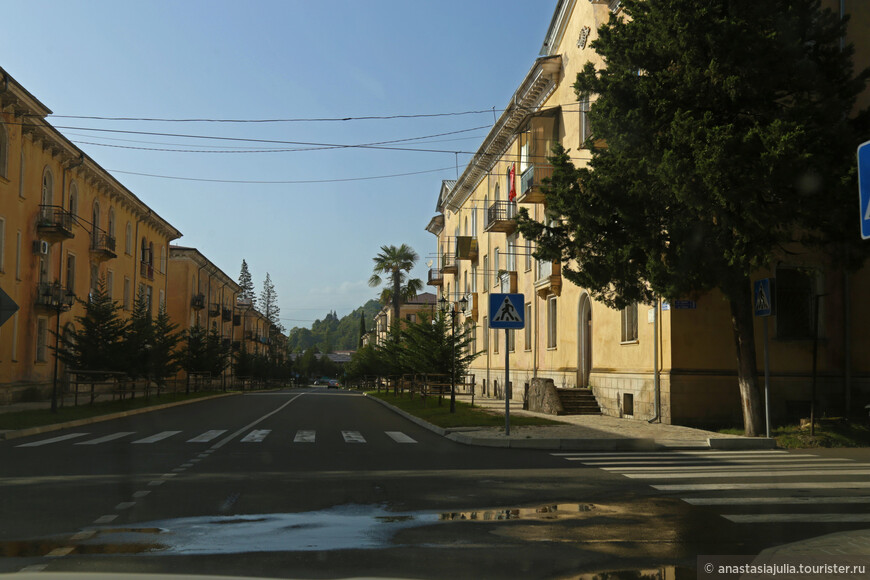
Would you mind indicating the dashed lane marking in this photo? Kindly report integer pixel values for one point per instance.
(256, 436)
(107, 438)
(158, 437)
(207, 436)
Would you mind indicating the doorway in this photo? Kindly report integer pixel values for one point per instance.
(584, 341)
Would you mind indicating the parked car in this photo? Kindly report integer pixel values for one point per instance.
(333, 384)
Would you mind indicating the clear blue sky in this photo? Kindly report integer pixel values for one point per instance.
(280, 59)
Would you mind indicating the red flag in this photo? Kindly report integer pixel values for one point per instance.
(513, 187)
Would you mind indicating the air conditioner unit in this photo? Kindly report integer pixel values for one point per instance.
(40, 247)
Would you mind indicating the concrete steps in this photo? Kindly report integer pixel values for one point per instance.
(578, 402)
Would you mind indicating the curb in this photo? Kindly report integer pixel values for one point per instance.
(600, 444)
(26, 432)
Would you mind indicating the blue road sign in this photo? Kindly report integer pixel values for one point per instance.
(864, 188)
(506, 311)
(763, 297)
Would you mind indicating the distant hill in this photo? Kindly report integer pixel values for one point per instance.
(333, 333)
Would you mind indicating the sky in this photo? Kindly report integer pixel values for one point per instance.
(270, 59)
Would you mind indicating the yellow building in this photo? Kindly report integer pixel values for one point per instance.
(410, 311)
(65, 224)
(673, 361)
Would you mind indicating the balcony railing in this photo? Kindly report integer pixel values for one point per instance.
(146, 270)
(530, 183)
(54, 296)
(197, 301)
(226, 314)
(466, 248)
(103, 244)
(448, 264)
(435, 277)
(501, 216)
(214, 310)
(55, 222)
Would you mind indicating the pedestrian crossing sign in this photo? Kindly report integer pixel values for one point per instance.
(506, 311)
(763, 303)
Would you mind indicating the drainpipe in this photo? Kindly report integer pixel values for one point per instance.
(656, 384)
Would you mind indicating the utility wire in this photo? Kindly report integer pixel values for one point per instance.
(298, 181)
(288, 120)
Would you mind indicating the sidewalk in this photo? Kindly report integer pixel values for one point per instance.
(589, 433)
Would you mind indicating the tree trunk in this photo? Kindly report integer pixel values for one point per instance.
(397, 286)
(747, 368)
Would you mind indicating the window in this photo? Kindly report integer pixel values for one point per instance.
(41, 339)
(474, 278)
(511, 258)
(161, 304)
(110, 284)
(511, 340)
(21, 176)
(795, 293)
(162, 259)
(2, 245)
(528, 255)
(128, 240)
(551, 322)
(495, 267)
(629, 323)
(111, 223)
(528, 329)
(473, 222)
(47, 187)
(4, 150)
(126, 297)
(70, 272)
(18, 255)
(95, 222)
(495, 340)
(73, 199)
(485, 271)
(485, 334)
(585, 131)
(95, 277)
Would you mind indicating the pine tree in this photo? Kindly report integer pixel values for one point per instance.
(96, 344)
(362, 328)
(269, 302)
(164, 360)
(138, 341)
(247, 285)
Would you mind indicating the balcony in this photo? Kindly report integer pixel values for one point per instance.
(448, 264)
(466, 248)
(435, 277)
(214, 310)
(508, 281)
(54, 223)
(549, 279)
(53, 296)
(226, 314)
(197, 301)
(103, 245)
(530, 183)
(501, 216)
(146, 270)
(237, 319)
(252, 335)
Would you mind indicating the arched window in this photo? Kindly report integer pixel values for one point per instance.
(144, 253)
(4, 150)
(73, 199)
(47, 187)
(162, 259)
(110, 227)
(95, 221)
(128, 240)
(151, 253)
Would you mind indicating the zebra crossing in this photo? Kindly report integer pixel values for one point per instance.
(785, 488)
(254, 436)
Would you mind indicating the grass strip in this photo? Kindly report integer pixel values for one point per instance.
(829, 433)
(465, 416)
(14, 420)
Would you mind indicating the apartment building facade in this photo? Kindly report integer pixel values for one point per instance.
(410, 312)
(672, 361)
(66, 225)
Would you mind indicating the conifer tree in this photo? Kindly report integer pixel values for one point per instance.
(164, 359)
(247, 285)
(96, 344)
(138, 340)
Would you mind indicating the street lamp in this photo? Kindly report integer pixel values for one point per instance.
(54, 297)
(463, 304)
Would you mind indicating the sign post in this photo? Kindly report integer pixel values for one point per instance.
(764, 306)
(506, 311)
(864, 188)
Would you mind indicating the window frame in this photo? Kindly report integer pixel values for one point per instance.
(552, 323)
(629, 324)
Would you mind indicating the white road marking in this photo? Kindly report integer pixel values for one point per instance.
(666, 454)
(207, 436)
(256, 436)
(106, 438)
(60, 552)
(179, 469)
(798, 500)
(796, 518)
(83, 535)
(106, 519)
(773, 467)
(305, 437)
(156, 482)
(399, 437)
(52, 440)
(125, 505)
(158, 437)
(708, 461)
(168, 475)
(34, 568)
(767, 485)
(685, 475)
(141, 494)
(353, 437)
(250, 425)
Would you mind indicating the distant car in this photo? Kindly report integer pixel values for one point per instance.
(333, 384)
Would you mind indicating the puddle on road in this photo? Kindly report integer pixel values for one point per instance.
(337, 528)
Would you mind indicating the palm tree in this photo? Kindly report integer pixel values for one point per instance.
(395, 263)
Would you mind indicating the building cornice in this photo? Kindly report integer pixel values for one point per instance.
(558, 24)
(195, 256)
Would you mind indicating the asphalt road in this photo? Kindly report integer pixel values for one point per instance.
(325, 483)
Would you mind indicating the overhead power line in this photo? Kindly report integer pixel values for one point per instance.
(287, 120)
(291, 182)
